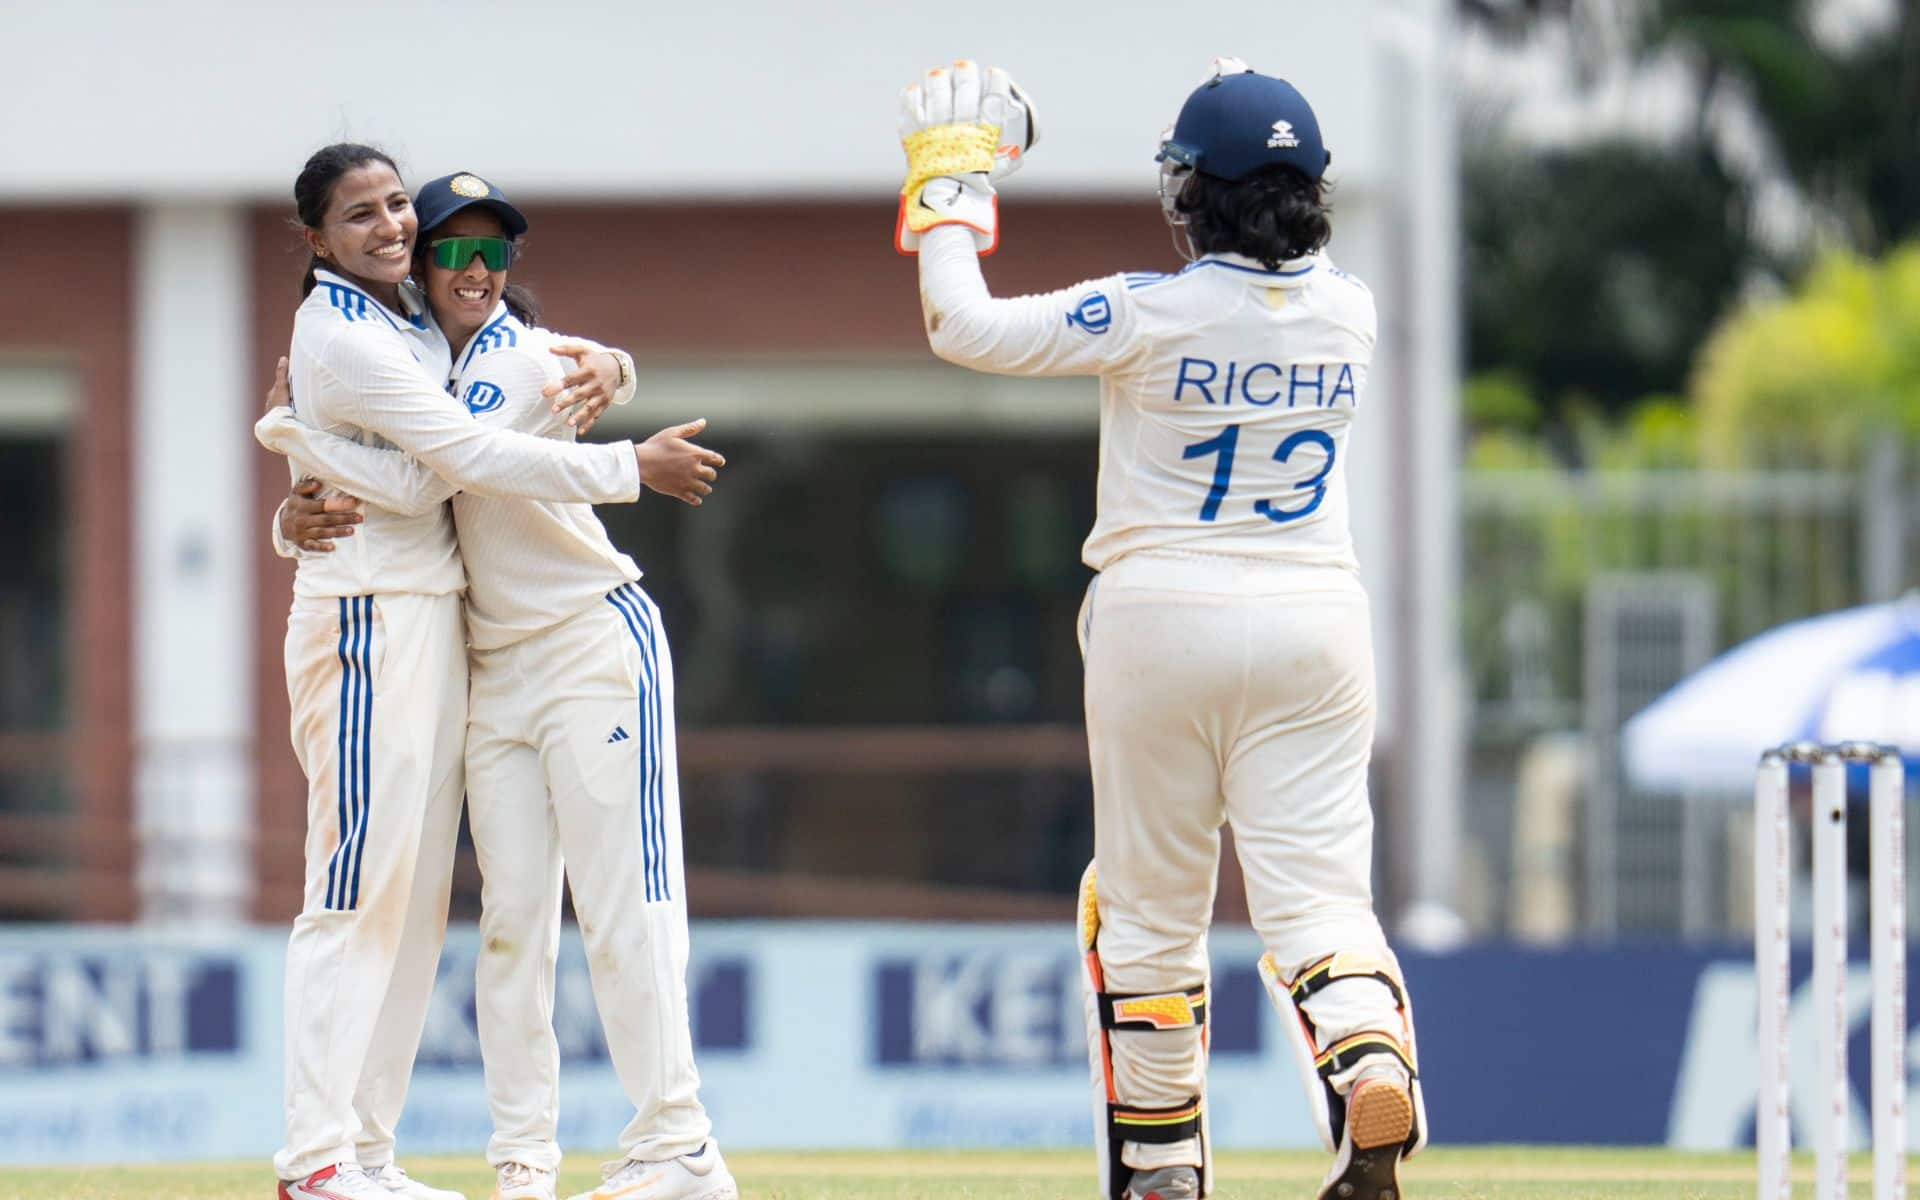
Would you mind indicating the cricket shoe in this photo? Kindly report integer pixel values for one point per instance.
(1166, 1183)
(697, 1176)
(518, 1181)
(341, 1181)
(1379, 1121)
(400, 1183)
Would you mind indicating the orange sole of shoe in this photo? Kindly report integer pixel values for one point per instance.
(1380, 1113)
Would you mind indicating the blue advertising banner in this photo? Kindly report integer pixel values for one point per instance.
(127, 1045)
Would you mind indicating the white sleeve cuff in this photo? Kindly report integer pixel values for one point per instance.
(626, 390)
(281, 547)
(629, 471)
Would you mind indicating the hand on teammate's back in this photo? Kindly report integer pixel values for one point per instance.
(589, 388)
(310, 522)
(673, 466)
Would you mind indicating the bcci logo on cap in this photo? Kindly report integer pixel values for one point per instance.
(471, 186)
(1282, 139)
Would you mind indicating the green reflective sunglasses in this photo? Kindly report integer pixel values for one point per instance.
(454, 253)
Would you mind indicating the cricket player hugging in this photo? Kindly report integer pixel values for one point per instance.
(1229, 665)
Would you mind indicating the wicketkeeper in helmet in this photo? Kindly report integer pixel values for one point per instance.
(1229, 661)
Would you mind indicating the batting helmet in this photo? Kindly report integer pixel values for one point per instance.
(1236, 123)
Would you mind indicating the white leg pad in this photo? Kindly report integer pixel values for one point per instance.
(1114, 1122)
(1325, 1072)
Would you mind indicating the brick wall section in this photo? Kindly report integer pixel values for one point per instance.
(280, 797)
(817, 281)
(69, 299)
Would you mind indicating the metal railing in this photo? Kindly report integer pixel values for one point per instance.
(1549, 650)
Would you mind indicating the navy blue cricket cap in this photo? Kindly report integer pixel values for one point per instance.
(440, 198)
(1232, 125)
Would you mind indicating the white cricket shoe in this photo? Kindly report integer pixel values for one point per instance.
(341, 1181)
(399, 1183)
(697, 1176)
(518, 1181)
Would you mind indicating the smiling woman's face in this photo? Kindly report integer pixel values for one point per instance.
(369, 228)
(462, 298)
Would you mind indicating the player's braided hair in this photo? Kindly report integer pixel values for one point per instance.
(1272, 215)
(313, 190)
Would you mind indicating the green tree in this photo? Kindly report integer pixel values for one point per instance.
(1843, 119)
(1828, 367)
(1593, 272)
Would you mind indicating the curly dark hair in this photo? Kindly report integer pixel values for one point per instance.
(1272, 215)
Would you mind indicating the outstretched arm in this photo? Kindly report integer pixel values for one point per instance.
(964, 126)
(396, 400)
(1088, 329)
(386, 478)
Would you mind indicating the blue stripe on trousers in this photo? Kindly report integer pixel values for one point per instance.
(627, 601)
(353, 782)
(366, 745)
(622, 600)
(653, 828)
(655, 790)
(352, 766)
(341, 772)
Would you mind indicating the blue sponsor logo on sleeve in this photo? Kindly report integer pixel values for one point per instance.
(1094, 313)
(483, 396)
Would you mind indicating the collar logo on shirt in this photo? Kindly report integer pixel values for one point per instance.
(483, 396)
(1094, 313)
(1283, 138)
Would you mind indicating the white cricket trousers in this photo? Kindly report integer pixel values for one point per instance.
(1226, 688)
(378, 686)
(570, 758)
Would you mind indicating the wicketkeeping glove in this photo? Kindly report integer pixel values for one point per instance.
(962, 126)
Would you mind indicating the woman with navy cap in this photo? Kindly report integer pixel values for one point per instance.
(570, 749)
(1229, 666)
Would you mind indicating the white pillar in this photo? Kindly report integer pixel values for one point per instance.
(194, 531)
(1431, 697)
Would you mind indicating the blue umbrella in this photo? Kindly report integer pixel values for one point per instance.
(1846, 676)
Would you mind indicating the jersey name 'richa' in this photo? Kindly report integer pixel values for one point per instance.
(1264, 384)
(1227, 393)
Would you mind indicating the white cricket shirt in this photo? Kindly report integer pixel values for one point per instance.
(530, 563)
(1226, 392)
(375, 378)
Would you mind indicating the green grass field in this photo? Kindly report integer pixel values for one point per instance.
(1497, 1173)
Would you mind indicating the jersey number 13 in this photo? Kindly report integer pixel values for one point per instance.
(1227, 442)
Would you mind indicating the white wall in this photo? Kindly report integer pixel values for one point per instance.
(746, 97)
(196, 530)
